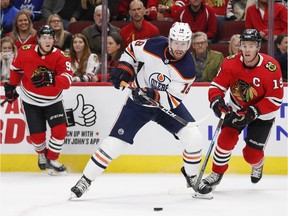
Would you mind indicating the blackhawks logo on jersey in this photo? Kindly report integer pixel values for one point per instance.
(40, 69)
(243, 91)
(65, 54)
(26, 47)
(270, 66)
(231, 56)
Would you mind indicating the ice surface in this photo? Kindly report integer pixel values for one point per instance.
(37, 194)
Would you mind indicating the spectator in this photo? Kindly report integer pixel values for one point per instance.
(139, 28)
(84, 63)
(115, 48)
(23, 32)
(280, 54)
(237, 9)
(93, 32)
(8, 12)
(32, 8)
(207, 62)
(69, 11)
(164, 10)
(88, 7)
(257, 18)
(200, 17)
(234, 44)
(7, 52)
(63, 38)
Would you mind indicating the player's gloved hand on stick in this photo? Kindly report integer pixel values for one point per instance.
(149, 92)
(122, 72)
(43, 79)
(218, 105)
(244, 116)
(10, 92)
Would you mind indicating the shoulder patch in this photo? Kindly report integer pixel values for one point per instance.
(26, 47)
(65, 54)
(95, 58)
(270, 66)
(231, 56)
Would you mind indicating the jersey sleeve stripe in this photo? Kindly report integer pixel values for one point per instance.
(17, 70)
(130, 52)
(276, 101)
(216, 85)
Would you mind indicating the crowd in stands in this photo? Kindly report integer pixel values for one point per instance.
(139, 19)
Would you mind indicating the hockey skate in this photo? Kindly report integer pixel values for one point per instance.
(212, 180)
(80, 188)
(203, 191)
(55, 168)
(42, 161)
(256, 174)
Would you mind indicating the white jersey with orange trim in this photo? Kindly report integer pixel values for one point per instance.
(156, 68)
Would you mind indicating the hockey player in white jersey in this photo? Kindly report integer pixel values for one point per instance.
(165, 74)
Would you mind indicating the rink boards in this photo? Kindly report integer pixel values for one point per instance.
(154, 149)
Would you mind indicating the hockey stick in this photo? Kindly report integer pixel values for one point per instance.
(184, 191)
(168, 112)
(215, 135)
(3, 102)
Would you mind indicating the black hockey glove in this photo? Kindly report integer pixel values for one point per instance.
(10, 92)
(244, 116)
(218, 105)
(122, 72)
(138, 94)
(41, 79)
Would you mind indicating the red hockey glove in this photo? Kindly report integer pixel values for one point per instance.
(45, 78)
(122, 72)
(149, 92)
(245, 116)
(218, 105)
(10, 92)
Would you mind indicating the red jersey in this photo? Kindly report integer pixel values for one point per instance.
(260, 86)
(130, 33)
(204, 20)
(32, 39)
(254, 19)
(27, 62)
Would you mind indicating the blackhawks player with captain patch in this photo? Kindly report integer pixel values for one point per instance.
(43, 72)
(256, 94)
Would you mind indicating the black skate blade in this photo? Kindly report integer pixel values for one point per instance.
(207, 196)
(53, 172)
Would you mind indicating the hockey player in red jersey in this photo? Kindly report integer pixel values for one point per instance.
(256, 94)
(165, 74)
(42, 72)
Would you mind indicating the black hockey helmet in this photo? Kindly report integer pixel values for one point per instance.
(45, 29)
(251, 35)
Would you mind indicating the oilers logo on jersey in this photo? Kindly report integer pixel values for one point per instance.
(159, 81)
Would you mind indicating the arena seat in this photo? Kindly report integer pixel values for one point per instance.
(229, 28)
(163, 26)
(220, 47)
(77, 27)
(39, 23)
(120, 24)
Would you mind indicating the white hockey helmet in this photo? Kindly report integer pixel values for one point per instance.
(180, 32)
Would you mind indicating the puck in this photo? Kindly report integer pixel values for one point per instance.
(158, 209)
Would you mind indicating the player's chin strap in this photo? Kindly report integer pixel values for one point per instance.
(168, 112)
